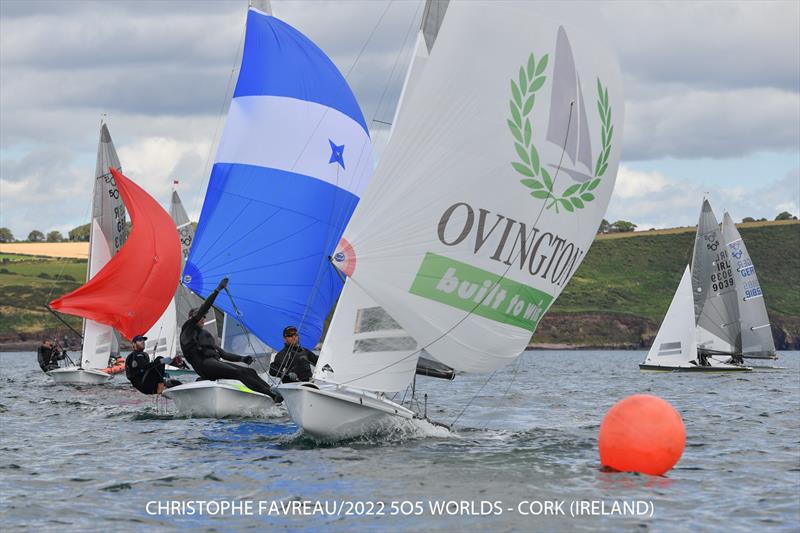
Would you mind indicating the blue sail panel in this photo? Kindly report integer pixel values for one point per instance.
(291, 164)
(274, 63)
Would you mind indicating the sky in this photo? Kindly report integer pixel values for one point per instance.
(712, 95)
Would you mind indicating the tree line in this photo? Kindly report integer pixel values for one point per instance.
(79, 234)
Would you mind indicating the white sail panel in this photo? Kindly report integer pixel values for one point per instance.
(162, 337)
(470, 230)
(708, 341)
(365, 347)
(756, 332)
(98, 339)
(675, 345)
(713, 282)
(237, 339)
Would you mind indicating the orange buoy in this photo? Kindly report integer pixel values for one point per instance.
(642, 433)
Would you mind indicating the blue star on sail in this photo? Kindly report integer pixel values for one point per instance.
(337, 153)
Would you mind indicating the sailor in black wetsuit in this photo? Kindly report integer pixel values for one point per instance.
(293, 362)
(48, 356)
(200, 349)
(147, 376)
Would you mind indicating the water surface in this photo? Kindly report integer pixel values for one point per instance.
(91, 458)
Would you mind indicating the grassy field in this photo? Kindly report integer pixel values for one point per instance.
(618, 296)
(27, 283)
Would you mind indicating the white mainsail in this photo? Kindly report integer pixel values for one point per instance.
(106, 237)
(675, 345)
(715, 308)
(756, 333)
(464, 236)
(185, 300)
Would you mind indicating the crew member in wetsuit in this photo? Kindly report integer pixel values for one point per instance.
(293, 362)
(202, 352)
(147, 376)
(48, 355)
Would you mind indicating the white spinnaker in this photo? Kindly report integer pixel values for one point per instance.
(98, 339)
(162, 337)
(365, 347)
(449, 164)
(754, 322)
(675, 345)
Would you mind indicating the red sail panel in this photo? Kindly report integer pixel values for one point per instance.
(134, 288)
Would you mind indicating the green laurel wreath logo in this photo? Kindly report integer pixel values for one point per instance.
(523, 95)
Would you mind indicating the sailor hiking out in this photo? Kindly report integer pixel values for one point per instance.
(202, 352)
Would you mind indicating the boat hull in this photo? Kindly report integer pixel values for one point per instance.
(334, 413)
(79, 376)
(218, 399)
(715, 368)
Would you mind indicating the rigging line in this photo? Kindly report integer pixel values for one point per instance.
(497, 283)
(246, 330)
(369, 38)
(453, 423)
(394, 66)
(214, 140)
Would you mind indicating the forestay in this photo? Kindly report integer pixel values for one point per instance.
(675, 344)
(756, 333)
(292, 162)
(715, 307)
(472, 225)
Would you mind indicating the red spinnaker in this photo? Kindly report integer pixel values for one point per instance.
(134, 288)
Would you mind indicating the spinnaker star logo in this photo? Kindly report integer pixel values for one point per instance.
(567, 128)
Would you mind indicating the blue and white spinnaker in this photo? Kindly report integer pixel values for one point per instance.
(292, 162)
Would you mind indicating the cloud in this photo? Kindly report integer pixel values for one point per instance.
(651, 200)
(702, 80)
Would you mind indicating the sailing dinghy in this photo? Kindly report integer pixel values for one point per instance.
(132, 290)
(675, 346)
(292, 161)
(107, 233)
(501, 163)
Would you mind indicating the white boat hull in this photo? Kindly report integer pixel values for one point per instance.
(79, 376)
(328, 412)
(218, 399)
(719, 367)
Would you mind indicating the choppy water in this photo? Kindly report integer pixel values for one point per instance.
(91, 458)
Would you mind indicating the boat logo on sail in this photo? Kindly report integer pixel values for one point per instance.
(567, 128)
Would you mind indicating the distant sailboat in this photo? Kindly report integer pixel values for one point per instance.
(675, 346)
(134, 288)
(292, 162)
(454, 241)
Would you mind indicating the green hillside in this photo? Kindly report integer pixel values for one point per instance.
(630, 281)
(617, 297)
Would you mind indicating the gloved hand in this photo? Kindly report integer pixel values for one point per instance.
(248, 359)
(222, 284)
